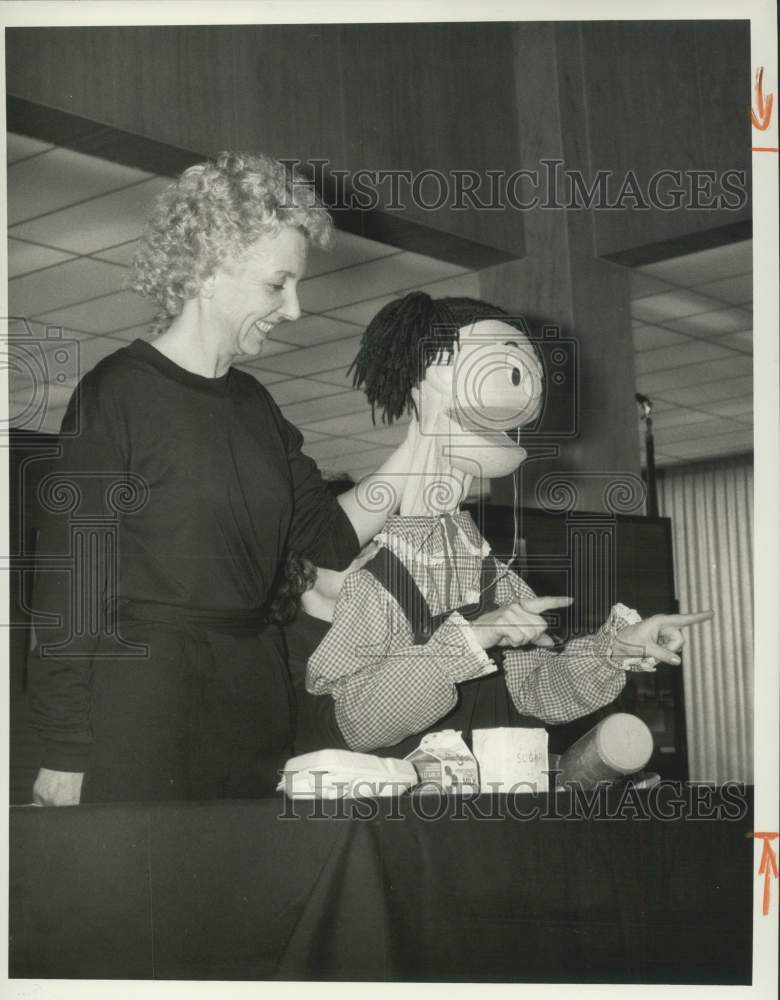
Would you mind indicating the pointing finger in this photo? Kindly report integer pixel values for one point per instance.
(679, 621)
(537, 605)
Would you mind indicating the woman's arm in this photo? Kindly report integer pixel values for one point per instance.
(59, 669)
(373, 499)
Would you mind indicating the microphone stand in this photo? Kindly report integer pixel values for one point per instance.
(652, 494)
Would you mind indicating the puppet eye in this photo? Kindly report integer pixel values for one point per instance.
(515, 369)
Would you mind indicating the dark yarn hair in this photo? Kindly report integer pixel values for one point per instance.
(295, 576)
(404, 338)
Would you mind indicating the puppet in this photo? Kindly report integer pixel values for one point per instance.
(433, 609)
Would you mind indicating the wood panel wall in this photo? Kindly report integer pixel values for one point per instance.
(650, 95)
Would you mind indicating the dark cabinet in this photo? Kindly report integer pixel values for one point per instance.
(599, 560)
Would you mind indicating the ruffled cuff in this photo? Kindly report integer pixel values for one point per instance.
(477, 663)
(619, 617)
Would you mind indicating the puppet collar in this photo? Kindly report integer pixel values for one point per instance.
(421, 536)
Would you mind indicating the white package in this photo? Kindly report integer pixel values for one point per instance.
(511, 759)
(337, 774)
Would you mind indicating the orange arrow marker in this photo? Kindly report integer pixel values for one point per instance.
(767, 866)
(764, 117)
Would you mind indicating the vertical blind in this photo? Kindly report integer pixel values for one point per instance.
(711, 508)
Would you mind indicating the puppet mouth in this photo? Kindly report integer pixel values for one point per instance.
(490, 453)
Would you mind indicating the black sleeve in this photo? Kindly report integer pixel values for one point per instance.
(316, 727)
(74, 573)
(320, 529)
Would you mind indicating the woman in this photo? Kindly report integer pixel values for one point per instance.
(177, 688)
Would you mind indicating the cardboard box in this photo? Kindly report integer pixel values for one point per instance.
(443, 762)
(511, 760)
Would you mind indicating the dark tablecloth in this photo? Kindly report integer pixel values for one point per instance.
(261, 890)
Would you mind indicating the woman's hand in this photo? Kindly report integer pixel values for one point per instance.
(518, 623)
(658, 637)
(57, 788)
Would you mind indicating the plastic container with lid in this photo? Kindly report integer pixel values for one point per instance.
(619, 745)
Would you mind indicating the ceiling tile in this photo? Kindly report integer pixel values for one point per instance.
(296, 390)
(645, 284)
(33, 332)
(709, 427)
(315, 410)
(714, 323)
(96, 224)
(322, 357)
(62, 285)
(389, 274)
(676, 356)
(24, 257)
(737, 407)
(347, 251)
(104, 314)
(28, 410)
(742, 341)
(264, 377)
(20, 146)
(92, 351)
(720, 444)
(71, 360)
(737, 290)
(366, 461)
(706, 265)
(677, 416)
(121, 254)
(691, 375)
(361, 313)
(311, 330)
(393, 434)
(338, 376)
(62, 177)
(140, 332)
(466, 284)
(53, 420)
(312, 437)
(699, 395)
(333, 447)
(671, 305)
(650, 338)
(352, 425)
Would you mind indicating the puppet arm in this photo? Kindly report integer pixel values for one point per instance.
(561, 686)
(384, 686)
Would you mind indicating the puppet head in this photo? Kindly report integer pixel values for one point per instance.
(468, 373)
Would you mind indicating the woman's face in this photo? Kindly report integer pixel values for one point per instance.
(247, 297)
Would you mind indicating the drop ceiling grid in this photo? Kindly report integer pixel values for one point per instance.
(711, 415)
(688, 313)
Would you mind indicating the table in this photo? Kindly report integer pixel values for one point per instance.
(495, 889)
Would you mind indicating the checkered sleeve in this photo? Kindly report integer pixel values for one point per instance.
(559, 686)
(385, 687)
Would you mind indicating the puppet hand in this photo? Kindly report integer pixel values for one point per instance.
(57, 788)
(517, 624)
(658, 637)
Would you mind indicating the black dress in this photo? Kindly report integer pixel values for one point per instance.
(161, 680)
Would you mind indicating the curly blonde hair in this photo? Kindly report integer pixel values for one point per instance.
(215, 211)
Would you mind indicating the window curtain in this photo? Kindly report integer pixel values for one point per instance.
(711, 509)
